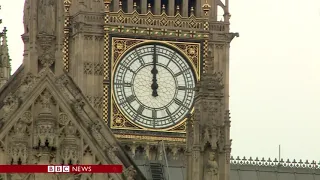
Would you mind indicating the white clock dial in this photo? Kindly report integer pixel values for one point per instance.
(134, 90)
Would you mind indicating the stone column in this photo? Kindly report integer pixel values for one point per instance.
(115, 5)
(143, 6)
(185, 8)
(157, 7)
(130, 6)
(171, 7)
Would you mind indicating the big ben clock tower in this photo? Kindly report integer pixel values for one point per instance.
(140, 64)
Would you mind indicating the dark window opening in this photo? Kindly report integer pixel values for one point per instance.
(19, 161)
(151, 2)
(138, 7)
(176, 4)
(166, 4)
(192, 4)
(125, 6)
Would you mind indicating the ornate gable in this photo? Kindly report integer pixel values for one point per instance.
(47, 120)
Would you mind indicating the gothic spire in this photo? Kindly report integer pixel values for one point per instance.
(5, 67)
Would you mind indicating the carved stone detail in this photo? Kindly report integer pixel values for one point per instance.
(46, 46)
(11, 103)
(212, 168)
(98, 69)
(47, 17)
(27, 84)
(130, 173)
(88, 67)
(93, 68)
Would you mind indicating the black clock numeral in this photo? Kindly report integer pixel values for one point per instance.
(180, 103)
(139, 113)
(140, 59)
(131, 98)
(173, 56)
(127, 84)
(123, 84)
(184, 88)
(154, 117)
(181, 72)
(140, 110)
(170, 115)
(154, 114)
(129, 69)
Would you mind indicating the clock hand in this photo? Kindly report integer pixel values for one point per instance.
(154, 71)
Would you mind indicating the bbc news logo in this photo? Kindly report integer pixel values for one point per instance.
(70, 169)
(59, 169)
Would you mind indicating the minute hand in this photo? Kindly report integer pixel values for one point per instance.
(154, 71)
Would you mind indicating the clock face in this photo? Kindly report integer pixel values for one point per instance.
(154, 86)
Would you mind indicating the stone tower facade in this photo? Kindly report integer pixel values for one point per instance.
(99, 33)
(68, 78)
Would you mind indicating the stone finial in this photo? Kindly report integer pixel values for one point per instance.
(67, 4)
(163, 8)
(4, 40)
(134, 6)
(120, 5)
(192, 11)
(149, 7)
(178, 10)
(206, 8)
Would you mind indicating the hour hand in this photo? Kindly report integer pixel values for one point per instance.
(154, 85)
(154, 71)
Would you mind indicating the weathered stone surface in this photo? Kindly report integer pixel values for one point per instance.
(43, 128)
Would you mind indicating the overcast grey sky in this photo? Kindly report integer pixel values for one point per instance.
(275, 70)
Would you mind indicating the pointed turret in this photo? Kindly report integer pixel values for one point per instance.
(208, 138)
(5, 67)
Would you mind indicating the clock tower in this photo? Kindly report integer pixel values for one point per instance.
(151, 69)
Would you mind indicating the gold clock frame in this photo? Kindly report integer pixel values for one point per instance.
(119, 47)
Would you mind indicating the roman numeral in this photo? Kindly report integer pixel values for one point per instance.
(170, 115)
(140, 110)
(131, 98)
(181, 72)
(124, 84)
(180, 103)
(139, 57)
(184, 88)
(127, 84)
(154, 116)
(154, 113)
(128, 68)
(173, 56)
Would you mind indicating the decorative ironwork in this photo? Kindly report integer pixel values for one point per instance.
(67, 4)
(275, 163)
(93, 68)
